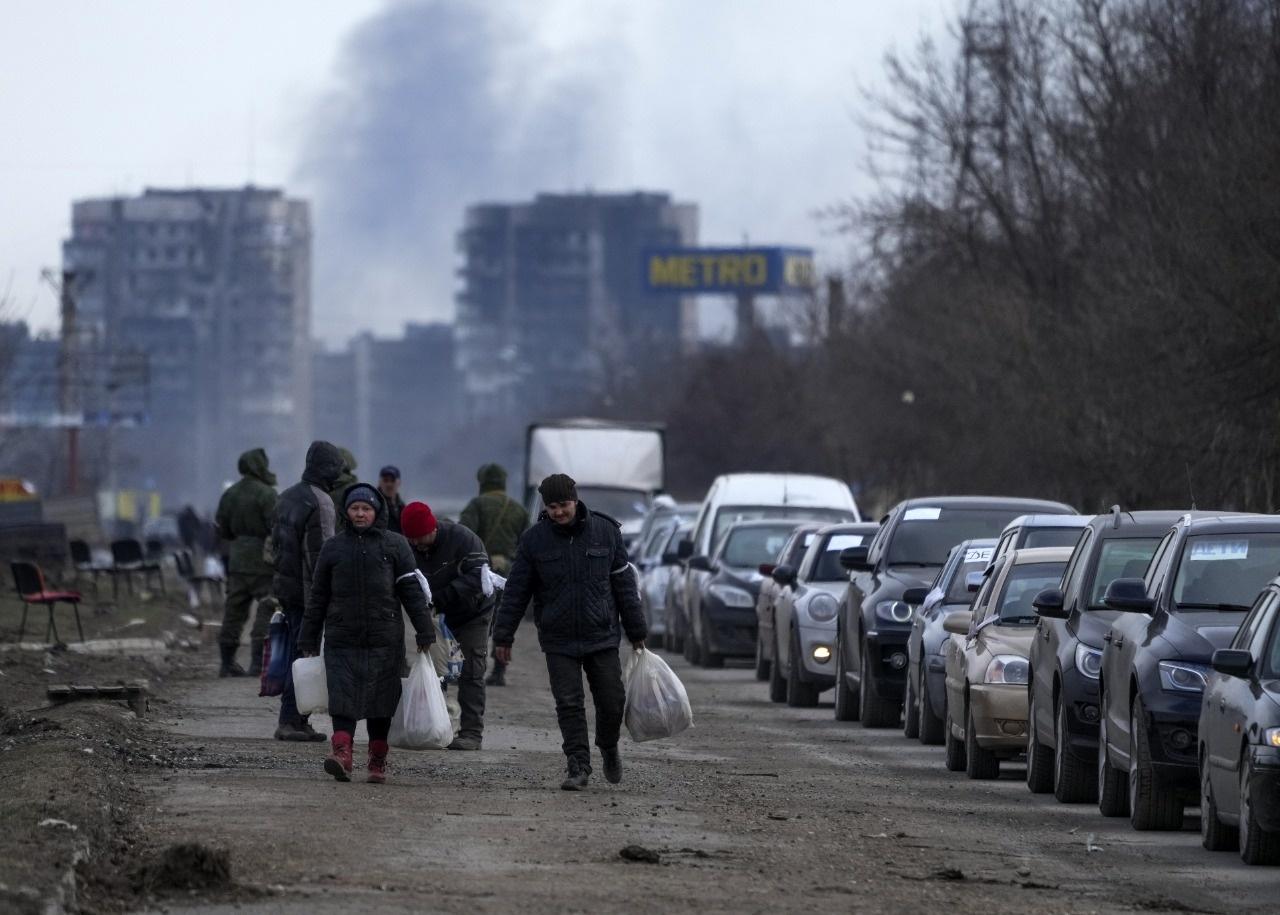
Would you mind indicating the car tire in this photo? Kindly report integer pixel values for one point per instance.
(932, 727)
(762, 663)
(1039, 757)
(1153, 805)
(979, 763)
(846, 704)
(1113, 785)
(706, 657)
(955, 755)
(1215, 835)
(872, 710)
(1256, 845)
(777, 684)
(799, 693)
(1073, 782)
(910, 712)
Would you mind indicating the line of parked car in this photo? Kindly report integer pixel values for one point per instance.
(1132, 659)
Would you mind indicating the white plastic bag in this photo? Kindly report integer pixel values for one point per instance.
(310, 685)
(657, 704)
(421, 721)
(491, 581)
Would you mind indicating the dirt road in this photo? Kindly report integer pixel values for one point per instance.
(758, 808)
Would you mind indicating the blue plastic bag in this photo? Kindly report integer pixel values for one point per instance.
(275, 657)
(453, 652)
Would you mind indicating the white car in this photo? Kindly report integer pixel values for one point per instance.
(655, 581)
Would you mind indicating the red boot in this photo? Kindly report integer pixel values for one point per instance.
(338, 763)
(377, 762)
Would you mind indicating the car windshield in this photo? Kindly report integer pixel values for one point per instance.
(747, 547)
(798, 546)
(622, 504)
(925, 535)
(828, 568)
(975, 560)
(1225, 571)
(1052, 536)
(730, 515)
(1025, 581)
(1271, 655)
(1126, 558)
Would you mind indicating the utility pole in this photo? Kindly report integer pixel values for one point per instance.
(68, 370)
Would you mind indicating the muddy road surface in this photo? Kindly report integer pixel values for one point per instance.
(758, 808)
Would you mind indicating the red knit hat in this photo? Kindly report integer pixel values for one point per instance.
(417, 520)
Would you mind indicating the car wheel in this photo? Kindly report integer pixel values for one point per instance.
(1073, 783)
(910, 712)
(874, 711)
(1152, 804)
(1113, 786)
(762, 663)
(932, 727)
(707, 657)
(1256, 845)
(955, 755)
(846, 698)
(979, 763)
(799, 693)
(777, 684)
(1039, 757)
(1215, 835)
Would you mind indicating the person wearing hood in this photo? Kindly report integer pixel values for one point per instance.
(363, 576)
(572, 565)
(346, 478)
(244, 518)
(304, 520)
(498, 520)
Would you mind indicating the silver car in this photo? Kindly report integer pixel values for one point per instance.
(656, 578)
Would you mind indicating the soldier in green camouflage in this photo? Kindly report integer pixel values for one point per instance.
(244, 518)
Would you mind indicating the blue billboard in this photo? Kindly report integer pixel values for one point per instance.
(775, 271)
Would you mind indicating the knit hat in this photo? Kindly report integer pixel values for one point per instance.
(362, 492)
(559, 487)
(417, 520)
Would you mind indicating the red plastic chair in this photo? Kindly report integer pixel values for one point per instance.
(29, 582)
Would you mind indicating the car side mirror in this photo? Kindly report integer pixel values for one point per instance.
(973, 581)
(1233, 662)
(1049, 604)
(766, 569)
(915, 596)
(701, 563)
(854, 559)
(685, 549)
(1128, 595)
(958, 623)
(784, 575)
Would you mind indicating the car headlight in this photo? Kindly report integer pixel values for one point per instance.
(732, 597)
(823, 608)
(1088, 661)
(1182, 676)
(894, 611)
(1008, 668)
(1271, 737)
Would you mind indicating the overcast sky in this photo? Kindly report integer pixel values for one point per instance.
(392, 116)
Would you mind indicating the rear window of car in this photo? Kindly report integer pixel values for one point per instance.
(1053, 536)
(828, 567)
(729, 515)
(925, 535)
(1126, 558)
(975, 560)
(1025, 581)
(1225, 570)
(750, 546)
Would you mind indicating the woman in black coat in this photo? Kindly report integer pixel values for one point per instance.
(362, 577)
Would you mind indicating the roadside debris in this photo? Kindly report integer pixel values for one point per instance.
(641, 854)
(187, 866)
(51, 822)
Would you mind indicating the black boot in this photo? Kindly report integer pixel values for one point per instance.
(578, 775)
(612, 765)
(498, 677)
(229, 666)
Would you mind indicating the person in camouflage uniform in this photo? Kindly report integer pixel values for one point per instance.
(498, 520)
(346, 478)
(244, 518)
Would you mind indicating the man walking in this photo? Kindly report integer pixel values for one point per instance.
(498, 520)
(305, 519)
(573, 565)
(451, 557)
(244, 519)
(389, 486)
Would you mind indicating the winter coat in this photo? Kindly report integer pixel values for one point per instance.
(452, 565)
(581, 585)
(497, 519)
(394, 510)
(246, 512)
(360, 582)
(304, 520)
(347, 477)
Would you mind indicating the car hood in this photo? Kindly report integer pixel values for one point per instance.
(903, 578)
(1271, 689)
(834, 588)
(1093, 625)
(746, 579)
(1196, 634)
(1015, 640)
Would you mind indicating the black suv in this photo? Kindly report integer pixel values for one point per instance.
(1204, 577)
(906, 553)
(1066, 656)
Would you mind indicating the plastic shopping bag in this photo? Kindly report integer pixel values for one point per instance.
(657, 704)
(421, 721)
(275, 657)
(491, 581)
(311, 685)
(451, 651)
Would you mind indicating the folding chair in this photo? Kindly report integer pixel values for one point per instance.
(29, 582)
(128, 559)
(82, 560)
(197, 581)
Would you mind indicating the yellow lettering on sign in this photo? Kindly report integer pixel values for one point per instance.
(755, 269)
(798, 271)
(664, 271)
(730, 271)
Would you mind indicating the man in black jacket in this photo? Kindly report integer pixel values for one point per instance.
(304, 520)
(451, 557)
(573, 565)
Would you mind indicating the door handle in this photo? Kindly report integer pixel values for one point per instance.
(1107, 638)
(1119, 642)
